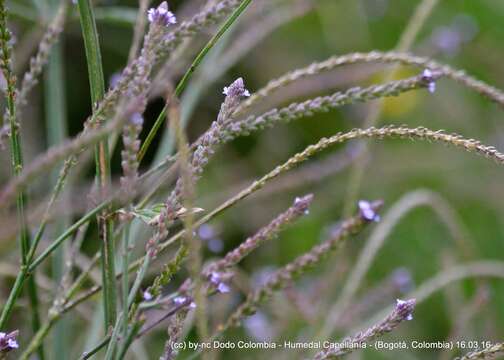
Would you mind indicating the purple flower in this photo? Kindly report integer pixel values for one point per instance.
(8, 341)
(161, 15)
(367, 212)
(223, 288)
(303, 202)
(183, 300)
(405, 308)
(428, 77)
(236, 89)
(206, 232)
(114, 79)
(179, 300)
(147, 295)
(136, 119)
(216, 279)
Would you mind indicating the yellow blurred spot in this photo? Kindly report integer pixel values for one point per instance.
(404, 103)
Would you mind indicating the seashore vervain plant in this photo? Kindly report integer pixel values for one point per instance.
(148, 225)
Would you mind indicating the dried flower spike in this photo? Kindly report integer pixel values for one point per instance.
(367, 212)
(161, 15)
(8, 341)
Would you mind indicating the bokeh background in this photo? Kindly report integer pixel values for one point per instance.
(273, 37)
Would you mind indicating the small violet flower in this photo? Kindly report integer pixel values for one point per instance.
(428, 77)
(147, 295)
(161, 15)
(114, 79)
(236, 89)
(137, 119)
(405, 308)
(8, 341)
(182, 300)
(223, 288)
(302, 202)
(216, 280)
(367, 212)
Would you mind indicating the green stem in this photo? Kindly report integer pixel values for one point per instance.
(54, 245)
(56, 134)
(97, 86)
(125, 279)
(185, 79)
(129, 301)
(123, 321)
(17, 168)
(27, 269)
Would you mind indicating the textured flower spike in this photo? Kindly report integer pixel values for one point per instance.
(367, 212)
(234, 94)
(284, 276)
(402, 311)
(266, 233)
(129, 156)
(161, 15)
(428, 77)
(236, 89)
(8, 341)
(404, 308)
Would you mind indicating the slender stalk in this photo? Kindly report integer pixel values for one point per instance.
(185, 79)
(17, 168)
(125, 278)
(105, 223)
(114, 338)
(193, 244)
(56, 134)
(90, 353)
(55, 313)
(27, 269)
(54, 245)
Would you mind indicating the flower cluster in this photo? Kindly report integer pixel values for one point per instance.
(236, 89)
(161, 15)
(147, 296)
(404, 309)
(183, 301)
(212, 137)
(367, 211)
(234, 94)
(218, 282)
(428, 77)
(8, 341)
